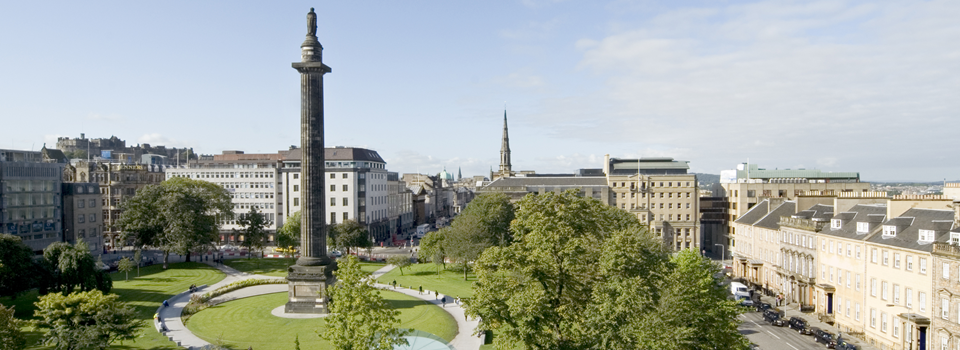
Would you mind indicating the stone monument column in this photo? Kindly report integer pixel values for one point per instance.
(312, 274)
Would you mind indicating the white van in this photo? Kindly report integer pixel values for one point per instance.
(422, 230)
(741, 293)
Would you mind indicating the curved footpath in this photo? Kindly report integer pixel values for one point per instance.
(178, 333)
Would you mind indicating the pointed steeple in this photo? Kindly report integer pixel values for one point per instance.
(505, 166)
(459, 174)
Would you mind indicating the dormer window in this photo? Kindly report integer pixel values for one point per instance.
(889, 231)
(955, 238)
(863, 227)
(835, 223)
(926, 236)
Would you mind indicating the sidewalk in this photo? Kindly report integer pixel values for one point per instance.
(464, 340)
(793, 310)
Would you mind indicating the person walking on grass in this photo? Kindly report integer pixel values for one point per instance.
(436, 295)
(421, 289)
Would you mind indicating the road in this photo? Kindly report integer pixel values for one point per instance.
(770, 337)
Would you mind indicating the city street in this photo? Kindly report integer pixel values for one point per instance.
(770, 337)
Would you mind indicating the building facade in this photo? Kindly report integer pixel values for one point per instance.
(661, 194)
(31, 198)
(82, 214)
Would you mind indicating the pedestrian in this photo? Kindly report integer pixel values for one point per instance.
(444, 300)
(394, 284)
(166, 304)
(421, 289)
(436, 295)
(457, 300)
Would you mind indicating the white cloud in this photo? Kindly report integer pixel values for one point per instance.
(155, 139)
(795, 82)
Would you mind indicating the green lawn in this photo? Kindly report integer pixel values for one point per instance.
(449, 282)
(144, 293)
(248, 322)
(266, 266)
(370, 267)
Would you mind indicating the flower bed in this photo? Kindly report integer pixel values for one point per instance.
(199, 302)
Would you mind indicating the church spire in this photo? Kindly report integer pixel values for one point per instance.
(505, 166)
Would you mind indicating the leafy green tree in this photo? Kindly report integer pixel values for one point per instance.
(487, 218)
(584, 275)
(351, 234)
(85, 320)
(432, 247)
(399, 261)
(125, 265)
(11, 338)
(70, 267)
(179, 215)
(359, 317)
(18, 272)
(288, 236)
(254, 230)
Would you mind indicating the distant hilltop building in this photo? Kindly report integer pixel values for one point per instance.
(115, 149)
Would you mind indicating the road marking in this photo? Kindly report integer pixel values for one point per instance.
(792, 346)
(775, 336)
(755, 322)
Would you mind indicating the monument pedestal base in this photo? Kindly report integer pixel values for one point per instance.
(308, 288)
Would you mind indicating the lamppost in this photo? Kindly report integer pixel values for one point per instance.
(722, 252)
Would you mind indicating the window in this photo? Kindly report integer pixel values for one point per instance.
(345, 201)
(926, 236)
(857, 311)
(945, 308)
(296, 188)
(849, 250)
(896, 260)
(946, 271)
(873, 287)
(296, 176)
(954, 238)
(344, 175)
(296, 202)
(863, 227)
(81, 218)
(922, 300)
(908, 298)
(92, 218)
(848, 279)
(885, 290)
(823, 244)
(896, 329)
(923, 265)
(92, 203)
(81, 202)
(873, 318)
(831, 274)
(333, 218)
(858, 281)
(889, 231)
(848, 308)
(909, 263)
(333, 188)
(333, 176)
(883, 322)
(896, 294)
(858, 252)
(344, 188)
(333, 202)
(886, 258)
(873, 255)
(835, 223)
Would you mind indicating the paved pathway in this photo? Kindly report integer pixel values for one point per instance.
(464, 340)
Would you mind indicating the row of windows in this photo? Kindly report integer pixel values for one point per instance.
(224, 175)
(259, 206)
(82, 202)
(14, 200)
(251, 195)
(668, 217)
(633, 184)
(240, 185)
(81, 218)
(654, 195)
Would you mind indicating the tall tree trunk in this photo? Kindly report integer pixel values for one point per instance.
(188, 257)
(166, 259)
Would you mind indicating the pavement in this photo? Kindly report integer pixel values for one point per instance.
(793, 309)
(178, 333)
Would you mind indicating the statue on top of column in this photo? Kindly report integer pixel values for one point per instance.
(311, 23)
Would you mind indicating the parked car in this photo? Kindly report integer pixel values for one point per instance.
(827, 338)
(844, 345)
(754, 346)
(773, 316)
(799, 324)
(761, 307)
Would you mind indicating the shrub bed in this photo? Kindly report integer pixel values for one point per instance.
(199, 302)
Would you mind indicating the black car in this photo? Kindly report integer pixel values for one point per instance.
(844, 345)
(799, 324)
(826, 338)
(761, 307)
(773, 316)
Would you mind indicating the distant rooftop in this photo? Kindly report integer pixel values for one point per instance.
(752, 171)
(648, 166)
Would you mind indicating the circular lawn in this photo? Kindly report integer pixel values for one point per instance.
(248, 322)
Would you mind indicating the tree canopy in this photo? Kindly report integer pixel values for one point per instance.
(484, 223)
(350, 234)
(11, 338)
(18, 272)
(85, 320)
(179, 215)
(289, 234)
(432, 247)
(359, 317)
(581, 274)
(70, 267)
(253, 225)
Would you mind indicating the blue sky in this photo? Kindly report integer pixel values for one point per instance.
(837, 85)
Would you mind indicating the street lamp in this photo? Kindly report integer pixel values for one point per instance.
(722, 252)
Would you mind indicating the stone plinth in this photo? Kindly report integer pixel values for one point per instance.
(308, 288)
